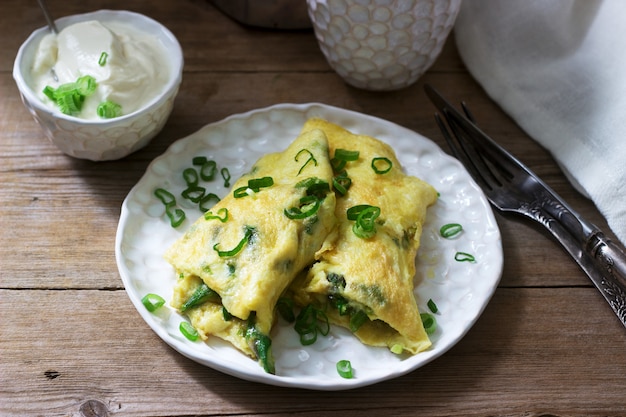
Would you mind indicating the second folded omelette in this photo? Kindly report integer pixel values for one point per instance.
(363, 278)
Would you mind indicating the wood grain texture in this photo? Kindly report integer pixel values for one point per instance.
(71, 343)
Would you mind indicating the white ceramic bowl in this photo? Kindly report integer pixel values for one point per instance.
(103, 139)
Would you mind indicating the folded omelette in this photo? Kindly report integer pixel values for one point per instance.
(339, 234)
(365, 281)
(235, 262)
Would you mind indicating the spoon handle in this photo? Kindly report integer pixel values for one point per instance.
(46, 13)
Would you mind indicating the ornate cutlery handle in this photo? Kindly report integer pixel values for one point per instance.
(610, 261)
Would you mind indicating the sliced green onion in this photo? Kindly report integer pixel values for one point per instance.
(103, 59)
(365, 220)
(315, 186)
(311, 159)
(223, 212)
(165, 196)
(176, 216)
(357, 319)
(201, 295)
(188, 331)
(381, 165)
(397, 349)
(49, 92)
(226, 175)
(309, 205)
(257, 183)
(260, 344)
(254, 185)
(432, 306)
(344, 369)
(429, 322)
(193, 193)
(337, 164)
(86, 85)
(249, 231)
(207, 170)
(353, 212)
(190, 176)
(450, 230)
(341, 183)
(199, 160)
(346, 155)
(108, 110)
(152, 302)
(464, 257)
(285, 309)
(226, 314)
(203, 205)
(307, 324)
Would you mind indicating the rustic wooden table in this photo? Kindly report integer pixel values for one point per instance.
(71, 343)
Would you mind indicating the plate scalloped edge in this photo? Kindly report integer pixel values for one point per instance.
(461, 290)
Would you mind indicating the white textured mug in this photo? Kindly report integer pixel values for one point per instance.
(382, 44)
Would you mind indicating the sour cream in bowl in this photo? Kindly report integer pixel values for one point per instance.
(104, 86)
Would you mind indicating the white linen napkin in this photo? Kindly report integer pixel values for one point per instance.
(558, 68)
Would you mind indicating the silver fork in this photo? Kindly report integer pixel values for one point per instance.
(512, 187)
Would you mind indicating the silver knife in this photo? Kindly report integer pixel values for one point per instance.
(600, 258)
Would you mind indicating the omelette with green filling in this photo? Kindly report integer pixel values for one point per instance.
(235, 262)
(332, 223)
(363, 277)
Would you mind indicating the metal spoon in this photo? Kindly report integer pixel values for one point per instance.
(52, 26)
(46, 13)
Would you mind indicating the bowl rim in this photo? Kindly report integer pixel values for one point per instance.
(166, 37)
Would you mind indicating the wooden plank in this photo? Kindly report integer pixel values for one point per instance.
(533, 351)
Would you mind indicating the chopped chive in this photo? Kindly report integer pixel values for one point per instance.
(207, 170)
(201, 295)
(176, 216)
(257, 183)
(357, 319)
(109, 110)
(346, 155)
(397, 349)
(254, 185)
(450, 230)
(432, 306)
(152, 302)
(464, 257)
(226, 314)
(260, 344)
(223, 212)
(429, 322)
(341, 183)
(199, 160)
(203, 205)
(193, 193)
(285, 309)
(190, 176)
(344, 369)
(226, 175)
(307, 324)
(103, 59)
(249, 231)
(311, 159)
(165, 196)
(381, 165)
(188, 331)
(365, 220)
(309, 205)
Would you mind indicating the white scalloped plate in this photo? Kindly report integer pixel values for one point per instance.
(461, 290)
